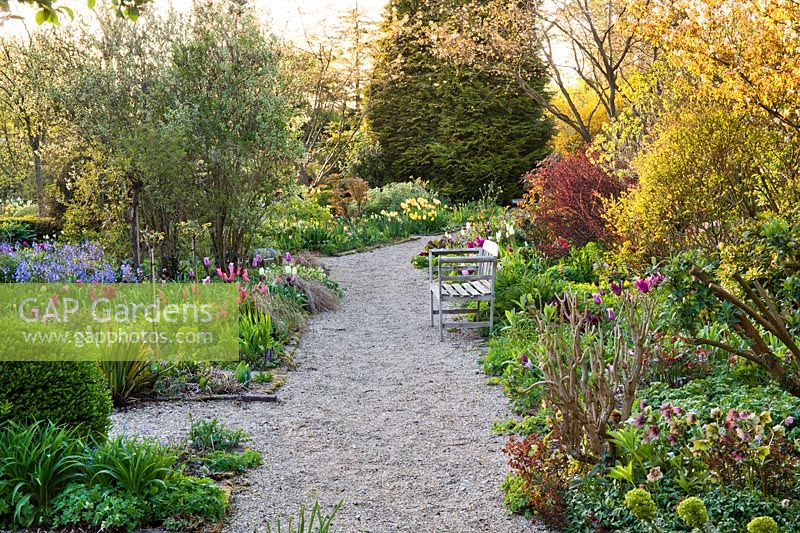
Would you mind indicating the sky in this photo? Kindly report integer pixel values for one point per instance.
(290, 19)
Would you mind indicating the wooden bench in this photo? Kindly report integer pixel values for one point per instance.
(463, 275)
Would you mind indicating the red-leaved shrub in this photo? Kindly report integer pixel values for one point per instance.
(565, 200)
(542, 464)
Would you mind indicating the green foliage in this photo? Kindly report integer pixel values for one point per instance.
(514, 498)
(130, 374)
(454, 125)
(36, 462)
(511, 357)
(182, 504)
(186, 502)
(28, 228)
(315, 522)
(222, 461)
(212, 435)
(134, 466)
(243, 373)
(390, 196)
(762, 524)
(101, 505)
(70, 393)
(693, 512)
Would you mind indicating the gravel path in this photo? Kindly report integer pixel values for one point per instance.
(379, 414)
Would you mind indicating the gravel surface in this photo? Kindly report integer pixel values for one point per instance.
(379, 414)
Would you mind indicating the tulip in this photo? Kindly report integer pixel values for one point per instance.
(206, 262)
(642, 285)
(263, 290)
(207, 280)
(288, 257)
(616, 288)
(245, 278)
(219, 273)
(244, 294)
(230, 270)
(597, 299)
(611, 314)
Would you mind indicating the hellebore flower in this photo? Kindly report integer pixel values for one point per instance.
(616, 288)
(789, 421)
(655, 474)
(652, 433)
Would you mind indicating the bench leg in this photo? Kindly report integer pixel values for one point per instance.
(491, 315)
(431, 292)
(441, 320)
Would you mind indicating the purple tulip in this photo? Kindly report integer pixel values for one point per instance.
(616, 288)
(597, 299)
(206, 262)
(611, 314)
(525, 361)
(288, 257)
(642, 285)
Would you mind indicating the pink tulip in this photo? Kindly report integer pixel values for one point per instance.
(245, 277)
(263, 290)
(219, 273)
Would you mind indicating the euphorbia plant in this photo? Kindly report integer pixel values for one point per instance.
(592, 369)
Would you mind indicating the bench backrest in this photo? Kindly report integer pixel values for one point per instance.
(489, 248)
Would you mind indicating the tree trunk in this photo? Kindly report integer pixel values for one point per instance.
(302, 174)
(134, 192)
(35, 143)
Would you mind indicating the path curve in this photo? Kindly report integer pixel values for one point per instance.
(379, 414)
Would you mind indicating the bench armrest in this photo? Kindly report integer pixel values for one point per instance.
(469, 259)
(441, 251)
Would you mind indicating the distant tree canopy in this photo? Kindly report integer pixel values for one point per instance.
(459, 127)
